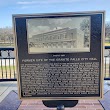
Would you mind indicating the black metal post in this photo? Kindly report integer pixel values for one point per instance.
(60, 107)
(60, 104)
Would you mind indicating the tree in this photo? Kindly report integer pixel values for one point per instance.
(107, 30)
(85, 27)
(6, 35)
(10, 37)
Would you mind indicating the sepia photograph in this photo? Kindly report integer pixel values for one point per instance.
(58, 34)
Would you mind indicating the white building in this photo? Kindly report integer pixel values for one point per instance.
(62, 38)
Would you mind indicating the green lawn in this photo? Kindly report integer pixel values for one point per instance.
(107, 44)
(6, 45)
(7, 67)
(12, 69)
(6, 71)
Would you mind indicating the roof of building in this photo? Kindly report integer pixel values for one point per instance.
(54, 31)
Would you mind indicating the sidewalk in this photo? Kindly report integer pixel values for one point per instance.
(82, 105)
(6, 87)
(104, 104)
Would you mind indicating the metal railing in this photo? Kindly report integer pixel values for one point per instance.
(107, 63)
(7, 64)
(8, 71)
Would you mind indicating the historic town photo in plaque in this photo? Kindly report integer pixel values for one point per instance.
(65, 34)
(59, 56)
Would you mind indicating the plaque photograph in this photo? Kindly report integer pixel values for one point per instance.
(65, 34)
(59, 56)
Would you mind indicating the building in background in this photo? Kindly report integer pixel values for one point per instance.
(63, 38)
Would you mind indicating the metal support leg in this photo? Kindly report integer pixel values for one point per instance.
(60, 104)
(60, 107)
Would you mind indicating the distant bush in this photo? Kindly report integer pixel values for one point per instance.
(6, 36)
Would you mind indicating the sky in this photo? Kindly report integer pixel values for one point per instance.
(39, 26)
(10, 7)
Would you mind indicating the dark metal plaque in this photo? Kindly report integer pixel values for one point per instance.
(60, 55)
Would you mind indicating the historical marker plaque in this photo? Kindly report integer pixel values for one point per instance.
(60, 55)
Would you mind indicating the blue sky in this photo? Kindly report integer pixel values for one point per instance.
(9, 7)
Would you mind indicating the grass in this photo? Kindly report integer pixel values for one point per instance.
(12, 69)
(107, 44)
(6, 45)
(7, 67)
(6, 71)
(107, 74)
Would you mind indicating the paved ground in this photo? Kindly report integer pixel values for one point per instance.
(6, 87)
(104, 104)
(82, 105)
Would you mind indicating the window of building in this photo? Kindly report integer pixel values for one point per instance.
(72, 35)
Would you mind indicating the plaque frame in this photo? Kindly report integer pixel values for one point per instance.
(14, 17)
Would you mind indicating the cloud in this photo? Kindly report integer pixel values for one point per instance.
(34, 6)
(43, 29)
(7, 2)
(47, 2)
(32, 30)
(60, 21)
